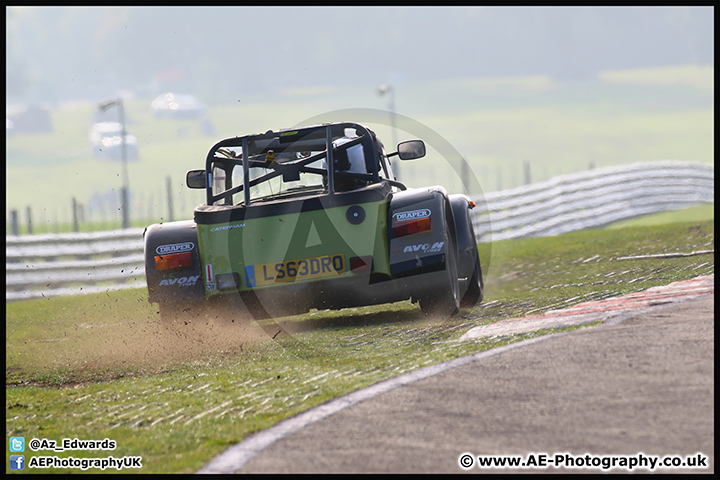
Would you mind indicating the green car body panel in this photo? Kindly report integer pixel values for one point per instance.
(292, 247)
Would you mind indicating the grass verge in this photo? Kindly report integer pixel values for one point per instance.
(103, 366)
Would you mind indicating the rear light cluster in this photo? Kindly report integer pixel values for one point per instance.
(174, 261)
(411, 226)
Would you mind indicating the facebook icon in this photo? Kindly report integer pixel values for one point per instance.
(17, 462)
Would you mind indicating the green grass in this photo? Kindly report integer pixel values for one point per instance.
(700, 213)
(496, 124)
(97, 366)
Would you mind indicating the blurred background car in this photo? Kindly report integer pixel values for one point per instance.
(172, 105)
(106, 141)
(28, 119)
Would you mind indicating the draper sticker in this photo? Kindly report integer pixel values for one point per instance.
(411, 215)
(175, 248)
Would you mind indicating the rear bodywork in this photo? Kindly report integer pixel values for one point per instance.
(347, 238)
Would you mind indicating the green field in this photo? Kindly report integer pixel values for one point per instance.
(497, 124)
(700, 213)
(103, 366)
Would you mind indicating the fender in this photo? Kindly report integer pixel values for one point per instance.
(424, 251)
(176, 285)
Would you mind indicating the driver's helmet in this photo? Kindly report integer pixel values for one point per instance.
(351, 160)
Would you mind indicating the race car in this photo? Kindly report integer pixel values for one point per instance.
(313, 218)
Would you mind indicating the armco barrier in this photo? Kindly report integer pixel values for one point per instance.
(592, 199)
(64, 264)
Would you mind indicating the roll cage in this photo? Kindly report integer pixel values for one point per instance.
(287, 154)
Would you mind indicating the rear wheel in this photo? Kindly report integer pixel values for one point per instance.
(475, 291)
(445, 301)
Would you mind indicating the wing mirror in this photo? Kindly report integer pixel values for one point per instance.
(411, 149)
(196, 179)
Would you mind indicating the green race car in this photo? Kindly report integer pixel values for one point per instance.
(313, 217)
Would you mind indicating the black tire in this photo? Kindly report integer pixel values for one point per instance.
(475, 291)
(445, 301)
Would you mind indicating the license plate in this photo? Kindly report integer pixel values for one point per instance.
(295, 270)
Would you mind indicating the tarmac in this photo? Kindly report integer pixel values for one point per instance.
(616, 398)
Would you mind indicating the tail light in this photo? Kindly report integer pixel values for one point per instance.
(412, 226)
(173, 261)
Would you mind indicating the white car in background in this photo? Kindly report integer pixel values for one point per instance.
(172, 105)
(106, 141)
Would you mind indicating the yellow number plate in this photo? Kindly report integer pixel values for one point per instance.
(295, 270)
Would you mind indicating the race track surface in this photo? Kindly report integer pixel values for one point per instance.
(636, 388)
